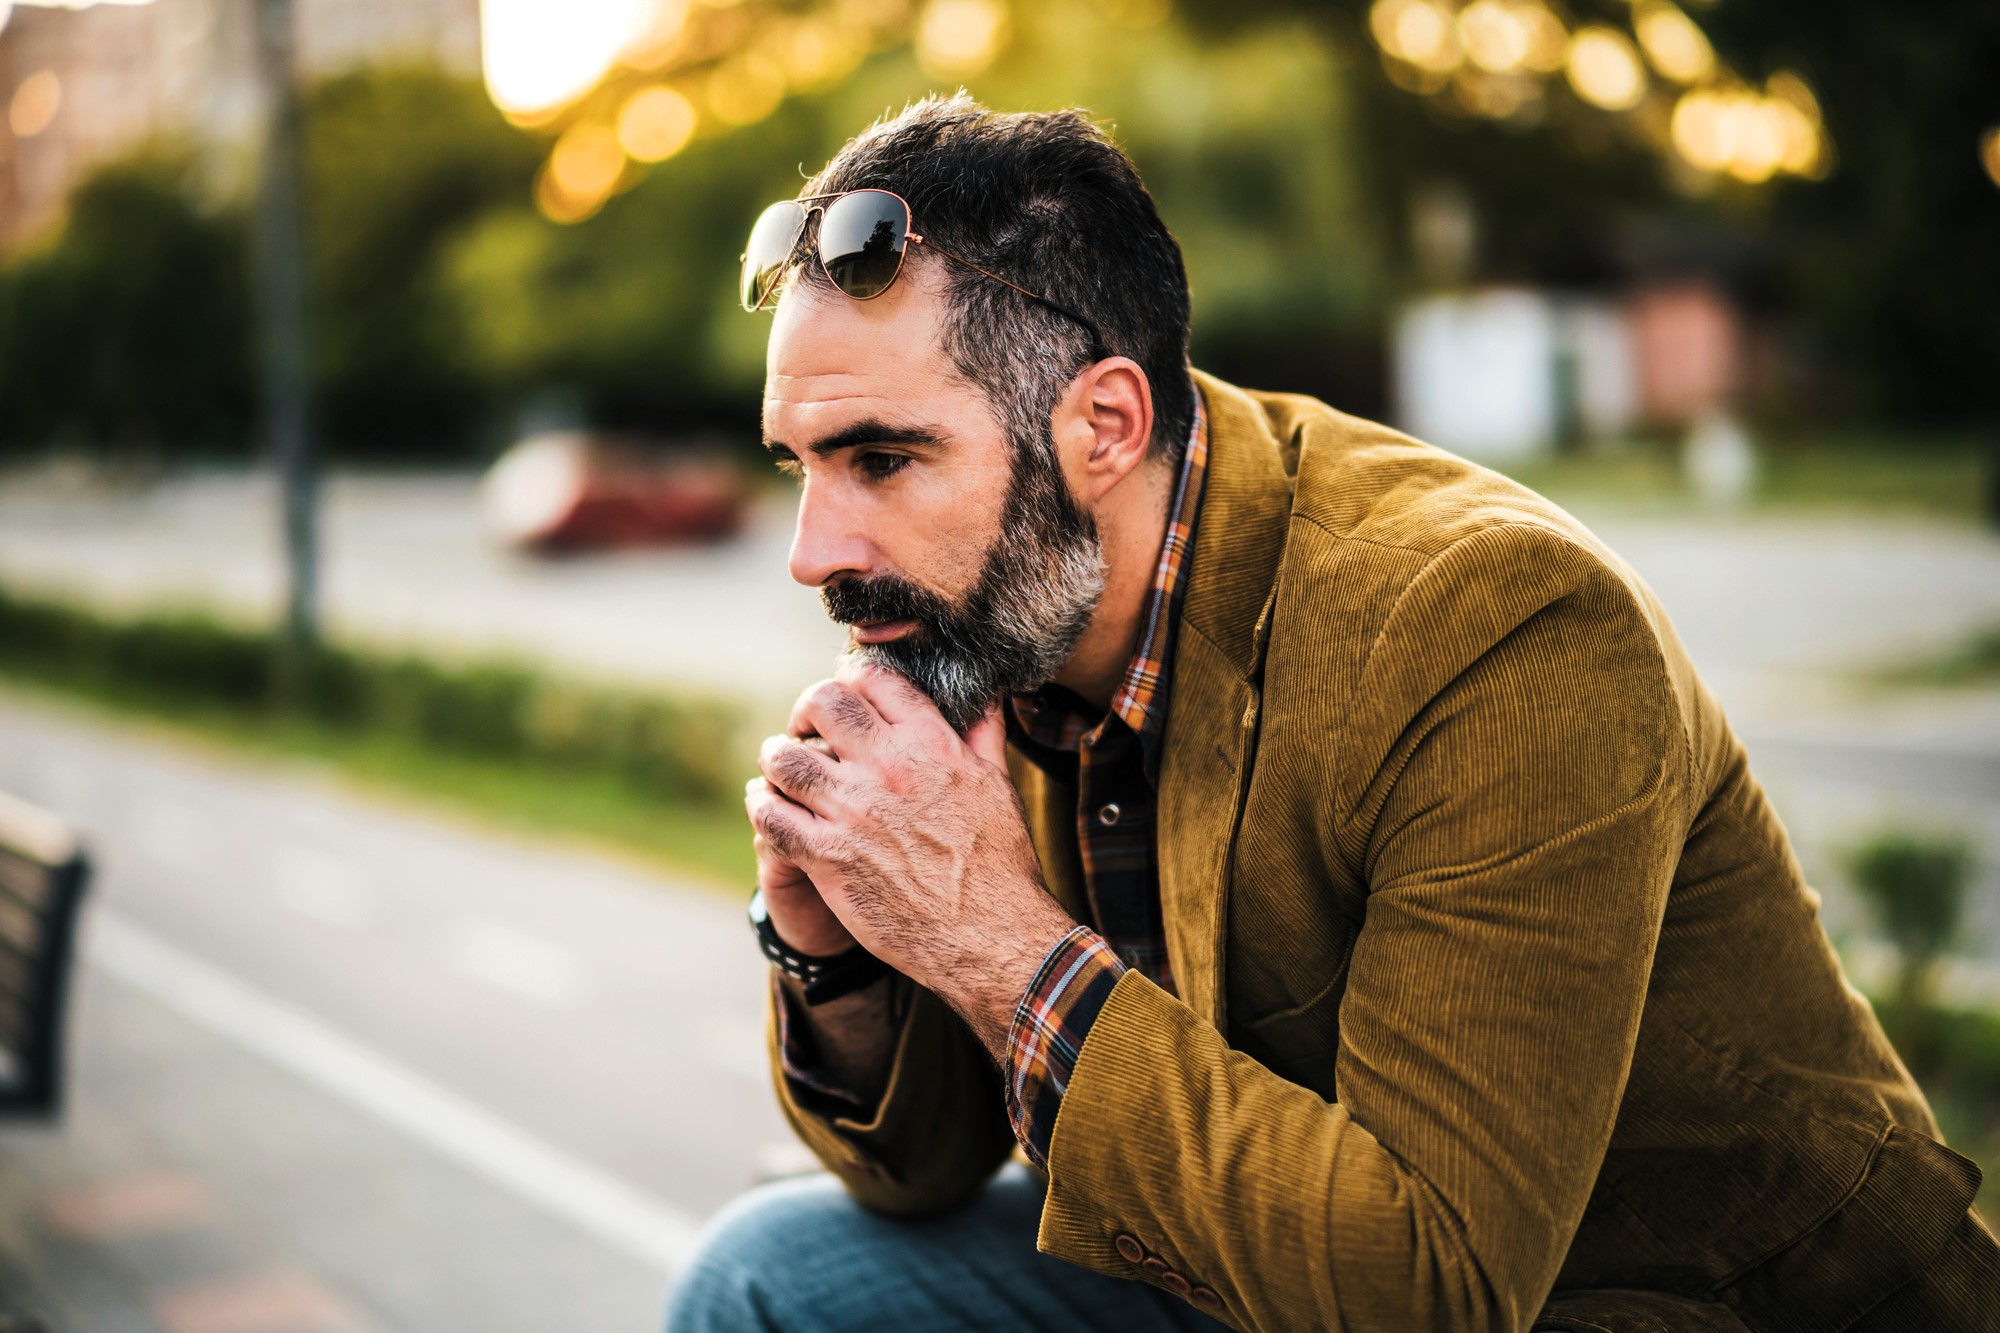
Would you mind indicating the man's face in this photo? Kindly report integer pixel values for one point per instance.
(957, 555)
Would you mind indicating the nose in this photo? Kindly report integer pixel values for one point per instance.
(828, 540)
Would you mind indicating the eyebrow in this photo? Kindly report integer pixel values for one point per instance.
(860, 433)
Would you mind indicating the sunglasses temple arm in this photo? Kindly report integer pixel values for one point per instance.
(1097, 348)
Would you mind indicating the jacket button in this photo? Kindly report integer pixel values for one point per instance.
(1128, 1248)
(1155, 1265)
(1206, 1298)
(1175, 1283)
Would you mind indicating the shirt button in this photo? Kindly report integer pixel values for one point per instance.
(1109, 814)
(1128, 1248)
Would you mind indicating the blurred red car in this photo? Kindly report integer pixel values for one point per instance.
(570, 491)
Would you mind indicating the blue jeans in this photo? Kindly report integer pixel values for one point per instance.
(800, 1256)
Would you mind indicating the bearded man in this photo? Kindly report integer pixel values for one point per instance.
(1312, 853)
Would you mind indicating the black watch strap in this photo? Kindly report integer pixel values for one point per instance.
(825, 977)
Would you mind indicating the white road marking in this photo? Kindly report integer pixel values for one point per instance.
(321, 888)
(525, 966)
(627, 1219)
(171, 834)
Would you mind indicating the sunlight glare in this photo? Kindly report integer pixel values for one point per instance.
(539, 54)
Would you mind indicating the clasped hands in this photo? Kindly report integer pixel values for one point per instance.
(875, 823)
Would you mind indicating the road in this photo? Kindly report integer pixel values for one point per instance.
(466, 1082)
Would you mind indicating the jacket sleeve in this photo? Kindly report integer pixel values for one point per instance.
(938, 1132)
(1516, 821)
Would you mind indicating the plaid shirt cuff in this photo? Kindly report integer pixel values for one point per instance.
(1050, 1023)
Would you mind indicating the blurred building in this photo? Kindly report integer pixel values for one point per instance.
(78, 85)
(1504, 373)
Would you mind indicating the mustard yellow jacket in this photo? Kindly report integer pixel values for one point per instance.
(1503, 1003)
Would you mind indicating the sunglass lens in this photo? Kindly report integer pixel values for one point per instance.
(861, 240)
(772, 241)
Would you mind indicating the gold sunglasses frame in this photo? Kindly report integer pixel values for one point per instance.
(819, 203)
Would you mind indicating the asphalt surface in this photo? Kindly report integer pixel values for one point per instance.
(471, 1082)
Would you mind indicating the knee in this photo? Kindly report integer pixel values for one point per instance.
(755, 1257)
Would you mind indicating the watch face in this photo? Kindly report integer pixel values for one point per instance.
(757, 913)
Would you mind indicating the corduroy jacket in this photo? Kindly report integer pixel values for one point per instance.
(1503, 1002)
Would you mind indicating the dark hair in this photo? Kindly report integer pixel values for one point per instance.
(1048, 201)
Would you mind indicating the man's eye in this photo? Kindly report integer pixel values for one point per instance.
(790, 467)
(877, 466)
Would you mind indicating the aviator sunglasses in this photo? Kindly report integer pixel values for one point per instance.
(863, 236)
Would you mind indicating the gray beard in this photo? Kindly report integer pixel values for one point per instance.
(1041, 582)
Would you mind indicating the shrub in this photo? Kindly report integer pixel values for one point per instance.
(1916, 883)
(495, 711)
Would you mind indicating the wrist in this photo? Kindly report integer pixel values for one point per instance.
(986, 992)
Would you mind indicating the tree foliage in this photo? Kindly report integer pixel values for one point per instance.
(129, 328)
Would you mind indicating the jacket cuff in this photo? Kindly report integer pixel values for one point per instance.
(1050, 1024)
(813, 1087)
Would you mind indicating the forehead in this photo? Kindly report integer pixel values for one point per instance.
(832, 359)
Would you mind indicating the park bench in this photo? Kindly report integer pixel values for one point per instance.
(42, 876)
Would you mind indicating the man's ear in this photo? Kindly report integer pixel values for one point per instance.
(1104, 425)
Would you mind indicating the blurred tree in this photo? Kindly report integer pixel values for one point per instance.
(127, 330)
(1892, 261)
(399, 162)
(1916, 885)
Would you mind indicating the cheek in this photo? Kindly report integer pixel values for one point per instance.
(939, 527)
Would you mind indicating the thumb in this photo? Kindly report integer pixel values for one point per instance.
(988, 738)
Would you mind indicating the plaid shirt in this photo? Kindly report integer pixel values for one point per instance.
(1115, 760)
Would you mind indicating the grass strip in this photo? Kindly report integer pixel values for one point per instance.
(649, 774)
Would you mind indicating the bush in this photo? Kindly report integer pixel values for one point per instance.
(1916, 885)
(490, 711)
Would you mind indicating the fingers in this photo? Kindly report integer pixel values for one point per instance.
(784, 826)
(988, 738)
(803, 773)
(895, 699)
(836, 714)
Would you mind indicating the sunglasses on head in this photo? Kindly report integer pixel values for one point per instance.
(863, 236)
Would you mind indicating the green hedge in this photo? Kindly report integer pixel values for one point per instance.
(487, 710)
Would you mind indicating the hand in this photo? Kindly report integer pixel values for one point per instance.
(914, 839)
(799, 915)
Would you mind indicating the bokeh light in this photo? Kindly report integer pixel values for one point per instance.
(1496, 36)
(1604, 69)
(538, 57)
(1750, 136)
(655, 123)
(582, 171)
(35, 104)
(1548, 39)
(1989, 153)
(1675, 46)
(1419, 32)
(744, 90)
(960, 38)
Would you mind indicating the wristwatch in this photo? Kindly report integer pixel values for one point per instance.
(826, 978)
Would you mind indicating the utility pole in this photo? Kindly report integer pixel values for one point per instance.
(282, 309)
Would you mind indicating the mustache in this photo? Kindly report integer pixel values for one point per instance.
(883, 597)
